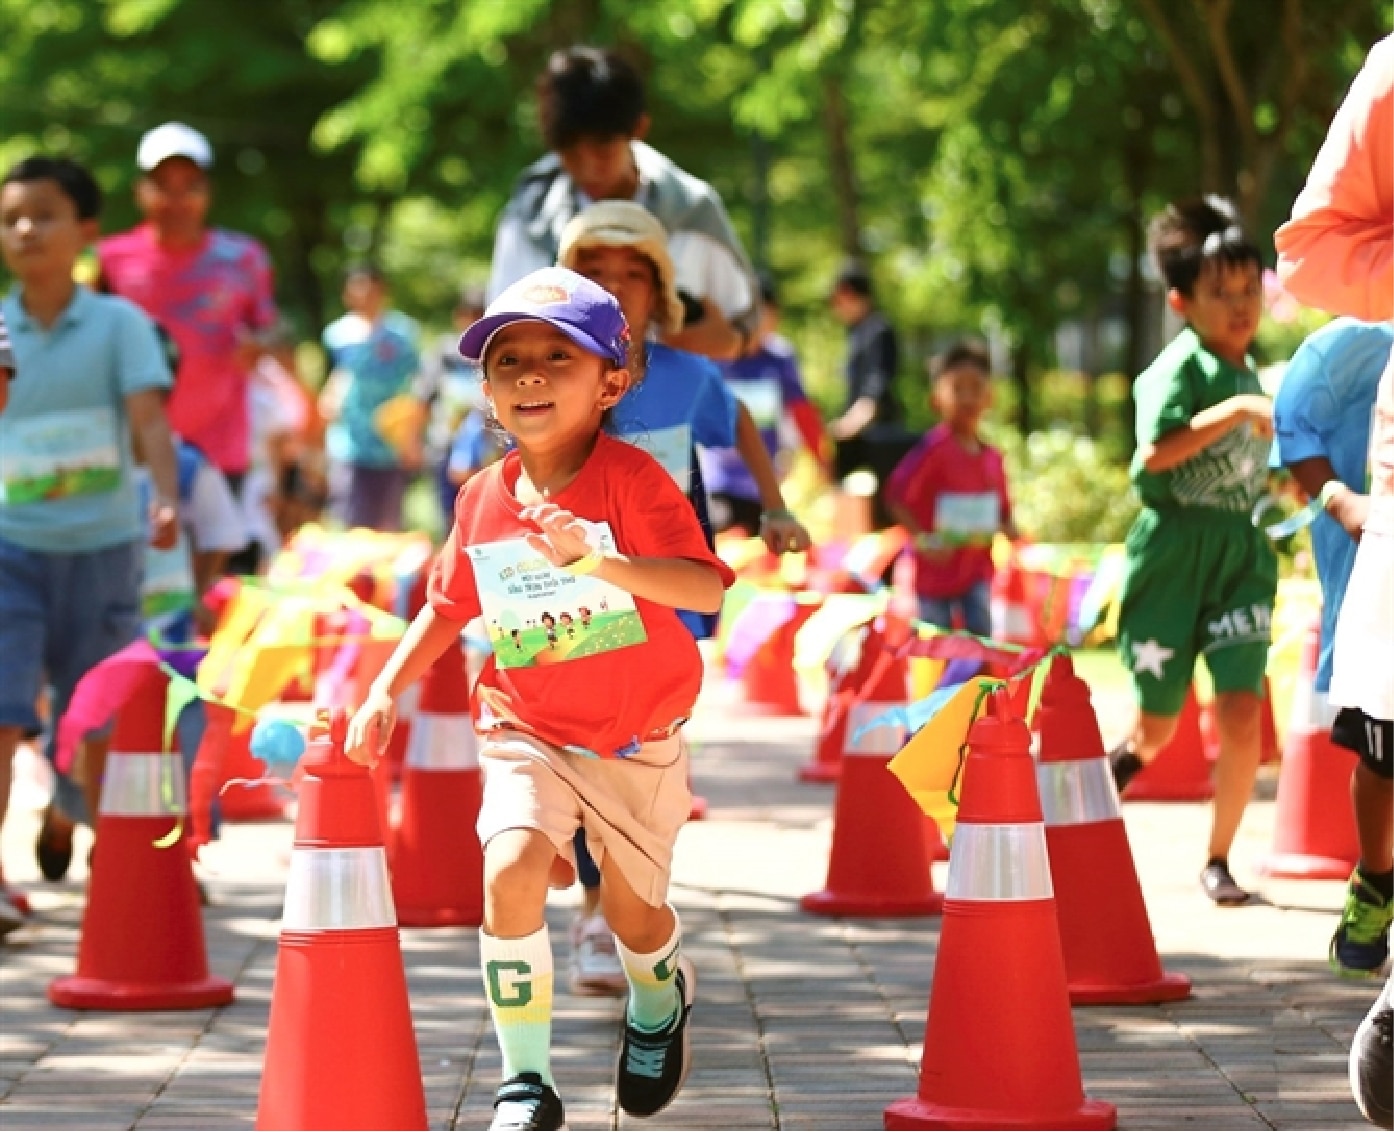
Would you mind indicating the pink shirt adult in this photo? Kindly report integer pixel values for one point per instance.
(937, 478)
(208, 298)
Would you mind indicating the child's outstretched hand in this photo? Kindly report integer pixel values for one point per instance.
(564, 538)
(782, 533)
(370, 728)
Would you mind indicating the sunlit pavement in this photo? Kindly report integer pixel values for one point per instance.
(800, 1022)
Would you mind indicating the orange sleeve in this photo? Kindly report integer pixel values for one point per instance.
(1337, 251)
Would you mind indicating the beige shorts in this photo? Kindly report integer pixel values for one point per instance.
(631, 808)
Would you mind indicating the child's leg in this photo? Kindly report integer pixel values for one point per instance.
(1237, 722)
(937, 612)
(515, 954)
(977, 610)
(1373, 797)
(649, 940)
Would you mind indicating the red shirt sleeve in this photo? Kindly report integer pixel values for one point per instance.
(660, 521)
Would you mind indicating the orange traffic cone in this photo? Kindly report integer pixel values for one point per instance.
(1314, 835)
(1106, 937)
(769, 682)
(881, 849)
(340, 1048)
(863, 666)
(142, 945)
(999, 1049)
(437, 862)
(1012, 619)
(1180, 772)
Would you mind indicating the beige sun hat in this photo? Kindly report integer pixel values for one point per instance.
(624, 224)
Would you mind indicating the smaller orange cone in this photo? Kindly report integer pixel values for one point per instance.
(882, 841)
(1106, 937)
(437, 862)
(340, 1048)
(1314, 836)
(866, 668)
(999, 1049)
(769, 682)
(142, 945)
(1180, 772)
(247, 800)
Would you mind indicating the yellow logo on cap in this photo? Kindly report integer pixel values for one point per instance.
(541, 294)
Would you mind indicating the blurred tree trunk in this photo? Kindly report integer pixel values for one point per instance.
(842, 167)
(307, 236)
(760, 160)
(1253, 100)
(1021, 379)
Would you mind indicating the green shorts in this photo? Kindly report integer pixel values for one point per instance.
(1198, 582)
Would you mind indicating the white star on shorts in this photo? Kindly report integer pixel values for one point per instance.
(1149, 656)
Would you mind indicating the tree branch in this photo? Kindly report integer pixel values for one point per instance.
(1186, 72)
(1215, 13)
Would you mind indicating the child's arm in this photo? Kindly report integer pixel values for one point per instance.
(680, 583)
(425, 640)
(778, 527)
(1319, 480)
(146, 411)
(1206, 427)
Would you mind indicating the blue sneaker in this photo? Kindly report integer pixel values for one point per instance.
(653, 1067)
(1361, 943)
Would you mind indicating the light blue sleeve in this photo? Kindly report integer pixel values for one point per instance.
(1305, 412)
(140, 359)
(714, 410)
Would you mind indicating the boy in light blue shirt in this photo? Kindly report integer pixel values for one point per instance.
(1321, 428)
(373, 351)
(89, 371)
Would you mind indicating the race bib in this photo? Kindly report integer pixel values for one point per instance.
(671, 447)
(967, 513)
(169, 580)
(539, 615)
(763, 398)
(60, 455)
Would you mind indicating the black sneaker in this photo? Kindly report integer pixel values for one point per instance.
(1221, 886)
(526, 1101)
(1125, 764)
(1372, 1062)
(653, 1067)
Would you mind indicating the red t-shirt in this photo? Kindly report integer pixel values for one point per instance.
(572, 663)
(954, 492)
(206, 298)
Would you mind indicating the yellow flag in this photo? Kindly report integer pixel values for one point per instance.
(928, 763)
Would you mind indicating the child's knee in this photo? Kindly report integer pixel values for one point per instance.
(517, 864)
(1238, 714)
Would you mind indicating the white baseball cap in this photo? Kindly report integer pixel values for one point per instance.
(624, 224)
(173, 139)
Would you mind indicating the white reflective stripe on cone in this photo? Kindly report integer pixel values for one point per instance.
(143, 786)
(999, 862)
(883, 741)
(338, 888)
(1311, 710)
(1077, 792)
(442, 742)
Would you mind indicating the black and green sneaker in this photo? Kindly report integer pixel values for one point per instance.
(526, 1102)
(1361, 943)
(653, 1066)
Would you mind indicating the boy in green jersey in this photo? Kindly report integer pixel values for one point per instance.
(1200, 577)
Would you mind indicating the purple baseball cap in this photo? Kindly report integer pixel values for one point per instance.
(584, 311)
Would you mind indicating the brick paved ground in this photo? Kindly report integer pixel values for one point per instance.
(800, 1022)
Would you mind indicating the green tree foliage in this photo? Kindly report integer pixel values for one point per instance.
(995, 160)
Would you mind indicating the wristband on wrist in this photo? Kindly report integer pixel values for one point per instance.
(587, 564)
(1329, 491)
(777, 515)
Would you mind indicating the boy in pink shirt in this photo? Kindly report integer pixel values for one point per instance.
(950, 494)
(209, 288)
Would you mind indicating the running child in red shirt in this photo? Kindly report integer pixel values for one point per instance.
(950, 494)
(572, 522)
